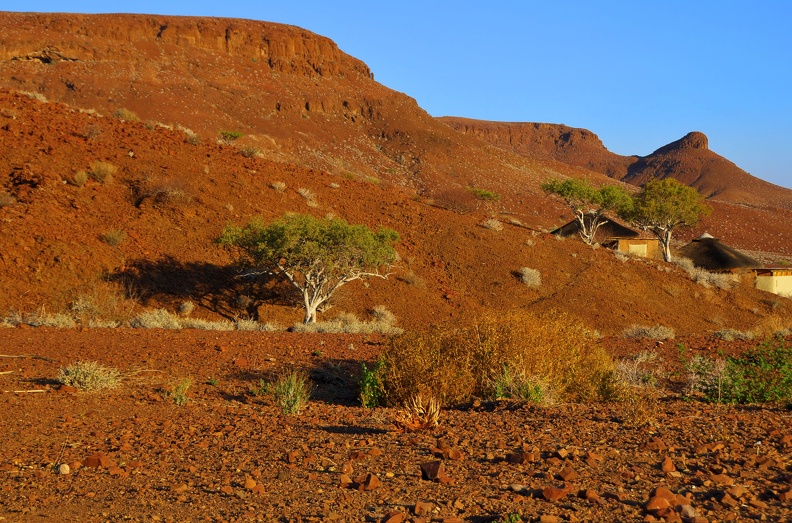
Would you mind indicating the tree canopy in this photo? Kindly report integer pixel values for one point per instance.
(317, 256)
(589, 203)
(665, 205)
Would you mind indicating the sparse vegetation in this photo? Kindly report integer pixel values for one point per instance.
(704, 277)
(658, 332)
(249, 151)
(126, 115)
(530, 277)
(40, 318)
(483, 194)
(89, 376)
(230, 136)
(292, 390)
(178, 392)
(640, 370)
(278, 186)
(103, 172)
(114, 237)
(733, 334)
(186, 308)
(455, 365)
(348, 323)
(79, 179)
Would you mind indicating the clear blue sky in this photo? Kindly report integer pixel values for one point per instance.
(639, 74)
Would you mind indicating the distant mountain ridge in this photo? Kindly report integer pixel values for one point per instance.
(688, 159)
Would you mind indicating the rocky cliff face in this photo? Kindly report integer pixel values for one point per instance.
(52, 38)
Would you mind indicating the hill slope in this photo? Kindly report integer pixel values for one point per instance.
(320, 123)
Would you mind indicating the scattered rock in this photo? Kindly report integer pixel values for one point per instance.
(64, 469)
(568, 474)
(554, 493)
(667, 465)
(422, 508)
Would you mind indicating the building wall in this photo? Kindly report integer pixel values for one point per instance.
(776, 282)
(645, 247)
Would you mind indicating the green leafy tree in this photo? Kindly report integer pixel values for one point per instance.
(589, 203)
(316, 256)
(664, 206)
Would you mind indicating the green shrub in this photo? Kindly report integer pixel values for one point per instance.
(514, 384)
(760, 375)
(483, 194)
(372, 390)
(230, 136)
(179, 392)
(89, 376)
(454, 365)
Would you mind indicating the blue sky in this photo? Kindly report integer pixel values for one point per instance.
(639, 74)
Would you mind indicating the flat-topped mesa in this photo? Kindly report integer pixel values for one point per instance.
(51, 37)
(692, 140)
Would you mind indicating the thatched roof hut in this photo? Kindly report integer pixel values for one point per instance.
(712, 254)
(609, 230)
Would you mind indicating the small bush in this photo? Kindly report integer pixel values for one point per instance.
(530, 277)
(733, 334)
(114, 237)
(278, 186)
(230, 136)
(126, 115)
(103, 172)
(186, 308)
(252, 325)
(492, 224)
(455, 365)
(41, 318)
(155, 319)
(178, 392)
(89, 376)
(705, 278)
(79, 179)
(292, 391)
(372, 391)
(638, 371)
(483, 194)
(249, 152)
(658, 332)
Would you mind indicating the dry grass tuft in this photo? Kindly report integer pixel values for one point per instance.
(89, 376)
(278, 186)
(103, 172)
(348, 323)
(658, 332)
(126, 115)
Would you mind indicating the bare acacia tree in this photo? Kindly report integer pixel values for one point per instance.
(316, 256)
(589, 203)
